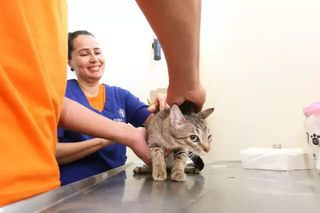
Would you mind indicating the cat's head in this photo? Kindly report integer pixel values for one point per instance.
(190, 130)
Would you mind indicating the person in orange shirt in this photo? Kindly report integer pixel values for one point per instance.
(33, 64)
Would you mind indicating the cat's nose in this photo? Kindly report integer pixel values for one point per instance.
(206, 147)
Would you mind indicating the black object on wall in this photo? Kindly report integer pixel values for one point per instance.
(156, 50)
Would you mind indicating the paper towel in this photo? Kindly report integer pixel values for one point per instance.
(285, 159)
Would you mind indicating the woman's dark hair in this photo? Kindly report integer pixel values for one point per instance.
(72, 36)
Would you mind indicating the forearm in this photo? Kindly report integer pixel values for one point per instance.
(177, 25)
(147, 121)
(69, 152)
(78, 118)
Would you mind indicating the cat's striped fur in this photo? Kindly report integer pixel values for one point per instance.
(186, 134)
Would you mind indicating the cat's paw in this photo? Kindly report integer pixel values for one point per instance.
(192, 170)
(178, 176)
(159, 174)
(137, 170)
(141, 170)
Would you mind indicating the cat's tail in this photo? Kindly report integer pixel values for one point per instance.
(197, 160)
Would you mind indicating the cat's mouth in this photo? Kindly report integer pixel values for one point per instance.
(199, 152)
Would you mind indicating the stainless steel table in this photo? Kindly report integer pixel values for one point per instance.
(222, 187)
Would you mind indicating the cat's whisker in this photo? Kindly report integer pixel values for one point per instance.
(193, 155)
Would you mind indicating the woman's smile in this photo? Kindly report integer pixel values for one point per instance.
(95, 68)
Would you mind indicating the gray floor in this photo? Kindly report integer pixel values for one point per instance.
(222, 187)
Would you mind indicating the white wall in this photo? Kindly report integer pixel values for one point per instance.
(259, 63)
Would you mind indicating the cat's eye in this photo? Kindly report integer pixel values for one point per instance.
(193, 138)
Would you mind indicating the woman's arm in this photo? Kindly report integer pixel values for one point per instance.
(147, 121)
(78, 118)
(69, 152)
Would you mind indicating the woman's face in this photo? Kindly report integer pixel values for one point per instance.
(87, 59)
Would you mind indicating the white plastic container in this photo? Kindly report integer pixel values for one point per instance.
(312, 128)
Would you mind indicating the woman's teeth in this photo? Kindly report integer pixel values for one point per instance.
(95, 69)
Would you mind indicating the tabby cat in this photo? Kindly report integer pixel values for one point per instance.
(186, 134)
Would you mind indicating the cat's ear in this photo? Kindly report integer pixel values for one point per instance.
(206, 113)
(176, 117)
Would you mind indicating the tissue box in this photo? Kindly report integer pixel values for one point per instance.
(285, 159)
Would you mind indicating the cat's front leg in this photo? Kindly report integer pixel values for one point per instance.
(180, 159)
(159, 170)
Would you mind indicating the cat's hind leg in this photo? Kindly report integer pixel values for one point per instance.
(178, 169)
(190, 169)
(146, 169)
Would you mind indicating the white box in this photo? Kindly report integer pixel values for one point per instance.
(285, 159)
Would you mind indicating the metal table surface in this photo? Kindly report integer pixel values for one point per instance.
(222, 187)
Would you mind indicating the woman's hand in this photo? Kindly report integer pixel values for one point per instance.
(140, 147)
(159, 104)
(139, 144)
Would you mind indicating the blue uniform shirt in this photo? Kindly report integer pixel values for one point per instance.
(120, 106)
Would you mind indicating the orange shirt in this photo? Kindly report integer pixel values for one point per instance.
(33, 65)
(98, 101)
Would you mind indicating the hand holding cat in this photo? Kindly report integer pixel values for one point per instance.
(178, 94)
(159, 104)
(139, 144)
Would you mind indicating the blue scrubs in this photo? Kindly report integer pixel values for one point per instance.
(120, 106)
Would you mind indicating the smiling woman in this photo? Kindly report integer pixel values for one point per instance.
(85, 57)
(80, 156)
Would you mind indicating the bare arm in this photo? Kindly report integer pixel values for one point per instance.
(69, 152)
(147, 121)
(177, 26)
(78, 118)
